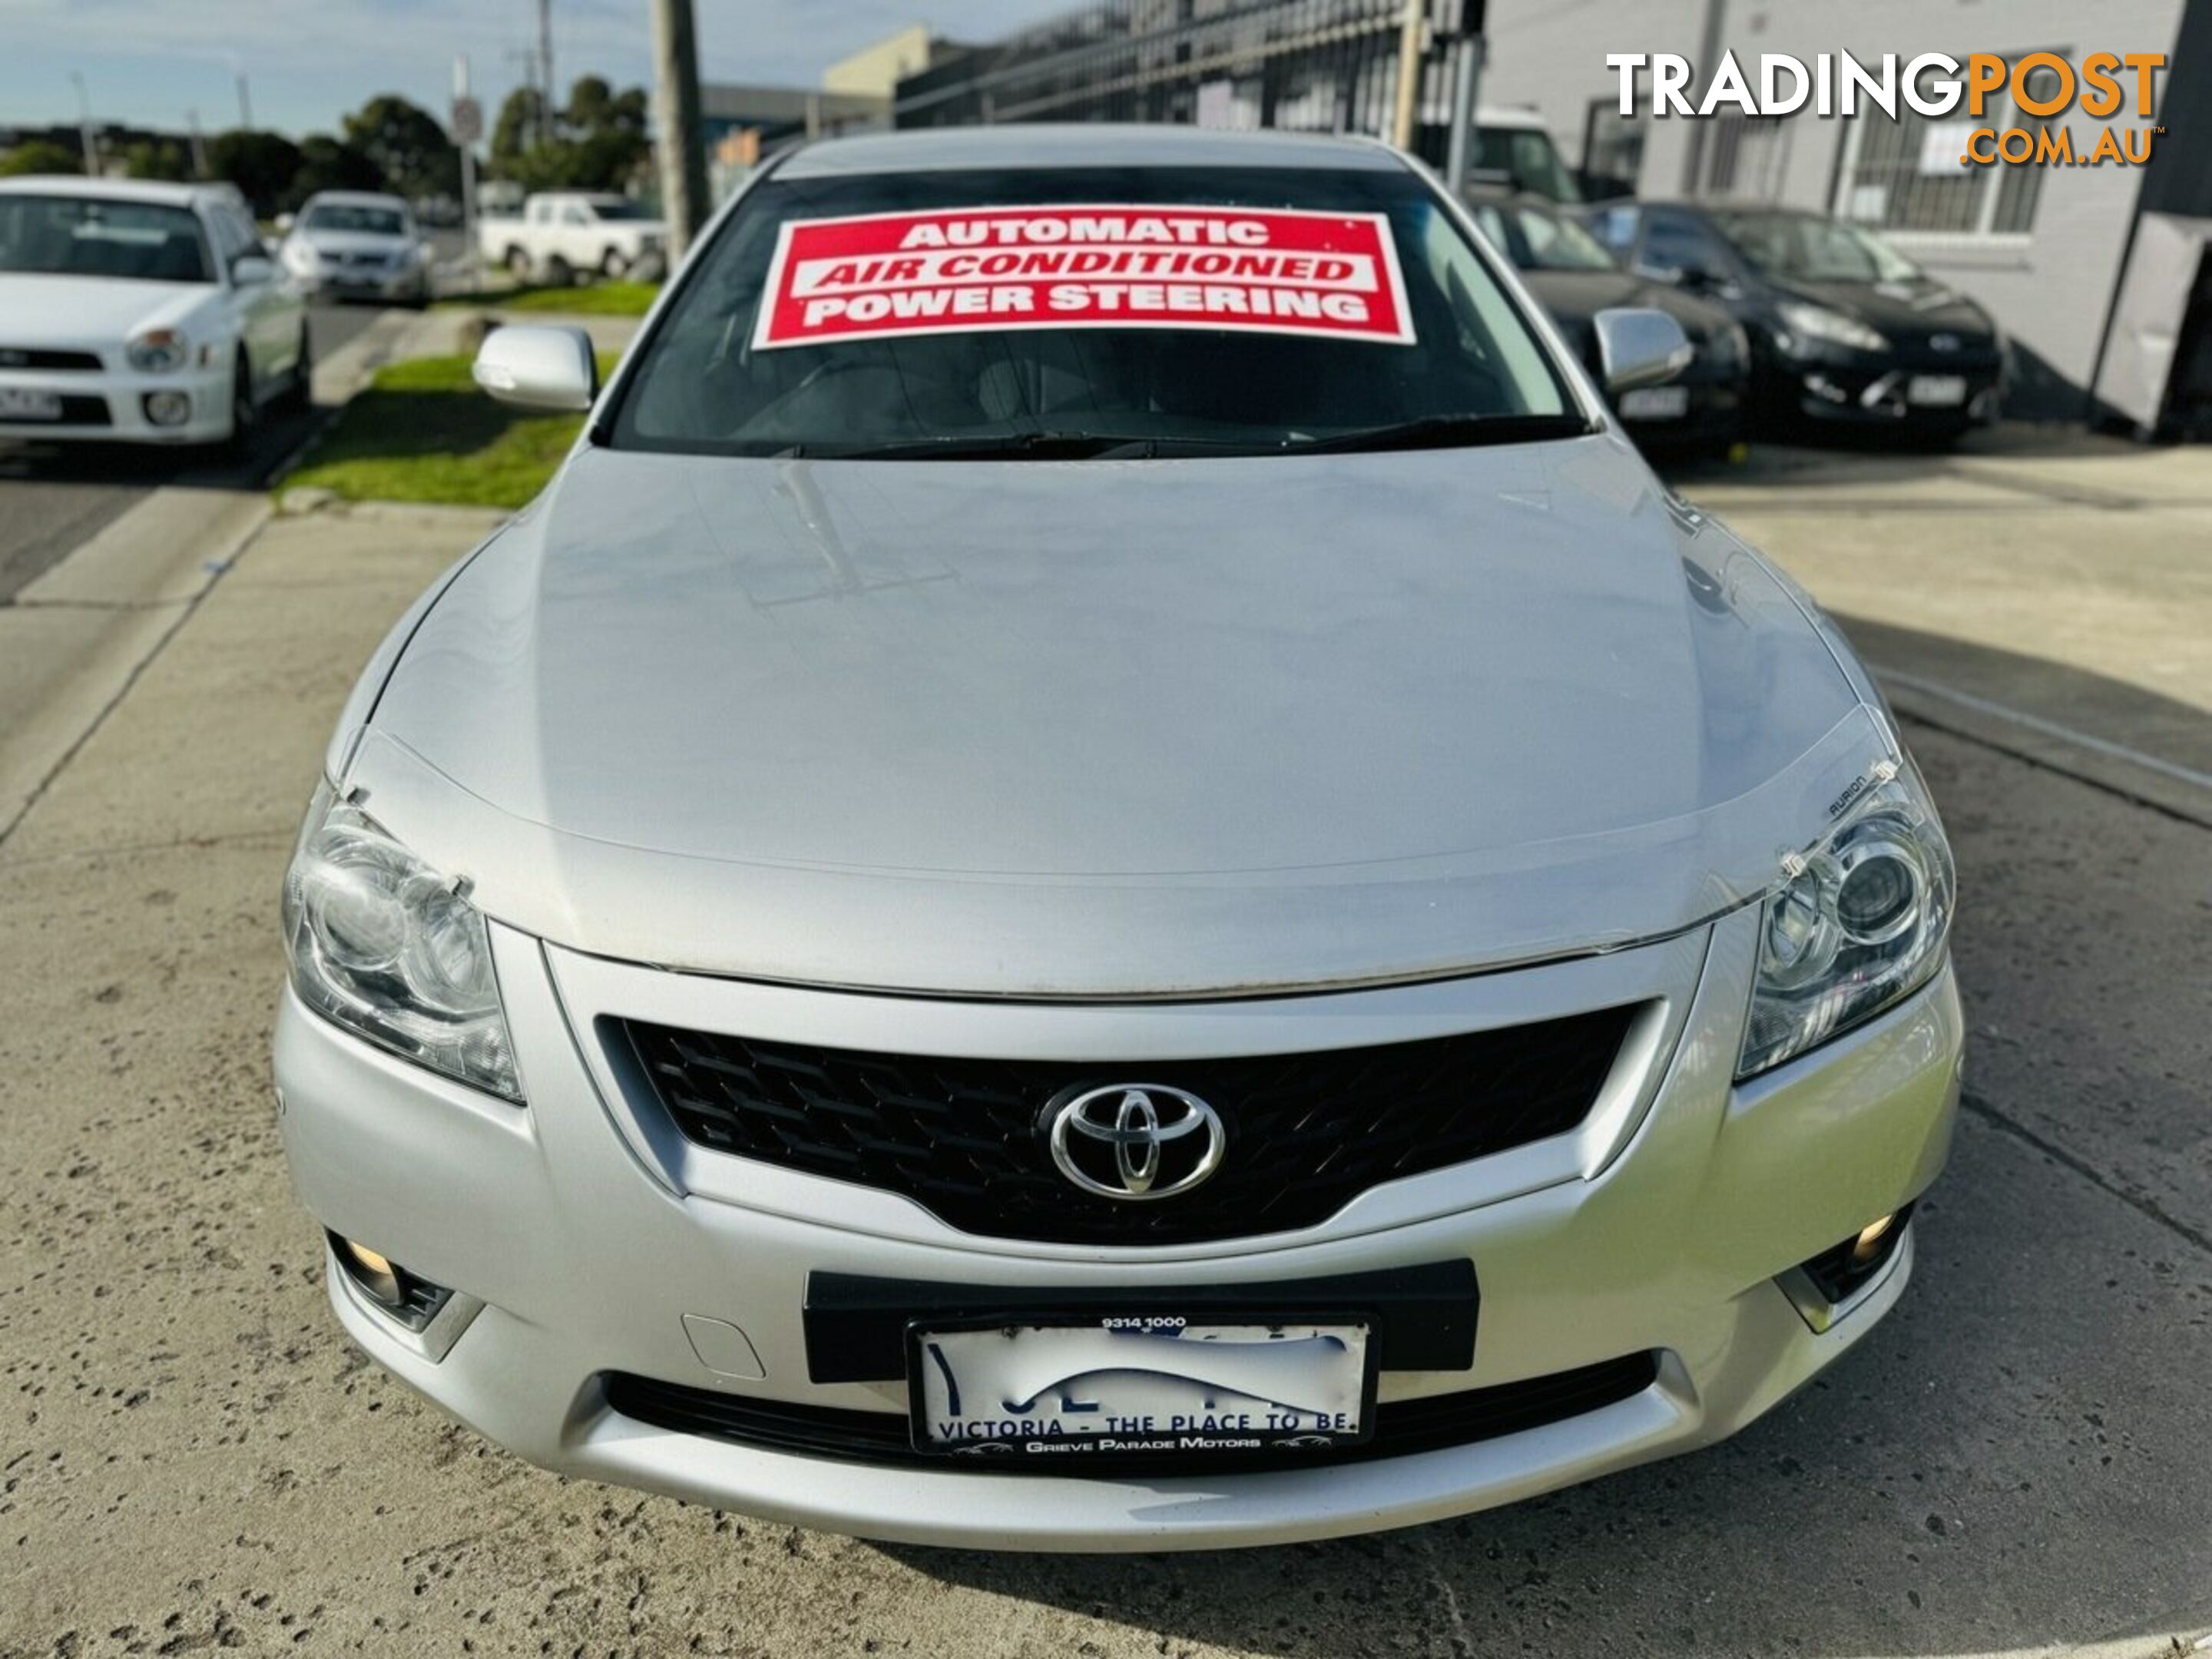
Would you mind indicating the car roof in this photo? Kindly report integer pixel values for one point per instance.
(1508, 117)
(355, 198)
(155, 192)
(1078, 144)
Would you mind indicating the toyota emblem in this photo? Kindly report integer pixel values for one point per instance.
(1135, 1141)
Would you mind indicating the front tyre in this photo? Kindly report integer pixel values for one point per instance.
(300, 390)
(237, 444)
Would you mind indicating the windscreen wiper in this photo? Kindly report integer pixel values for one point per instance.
(1448, 432)
(1036, 446)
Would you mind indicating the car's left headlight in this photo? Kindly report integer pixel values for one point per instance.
(1818, 323)
(1857, 922)
(158, 351)
(391, 949)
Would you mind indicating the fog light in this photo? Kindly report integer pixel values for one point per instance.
(1836, 1276)
(414, 1302)
(168, 408)
(1867, 1248)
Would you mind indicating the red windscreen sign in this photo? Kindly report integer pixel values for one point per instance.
(1334, 276)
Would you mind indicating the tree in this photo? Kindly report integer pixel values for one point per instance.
(517, 128)
(599, 141)
(261, 164)
(40, 156)
(407, 146)
(326, 164)
(156, 158)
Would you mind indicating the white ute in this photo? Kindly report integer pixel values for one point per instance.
(563, 232)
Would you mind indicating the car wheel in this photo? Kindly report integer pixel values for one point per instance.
(245, 416)
(300, 393)
(518, 263)
(559, 273)
(612, 265)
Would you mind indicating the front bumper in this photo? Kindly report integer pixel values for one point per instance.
(579, 1233)
(340, 283)
(1840, 387)
(109, 405)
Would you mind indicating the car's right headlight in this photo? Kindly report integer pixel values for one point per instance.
(391, 949)
(1818, 323)
(1858, 921)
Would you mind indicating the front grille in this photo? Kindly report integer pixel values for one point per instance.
(1306, 1134)
(41, 357)
(1401, 1428)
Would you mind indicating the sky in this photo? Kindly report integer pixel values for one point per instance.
(155, 63)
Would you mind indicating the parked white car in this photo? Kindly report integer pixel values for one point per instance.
(358, 244)
(562, 232)
(141, 313)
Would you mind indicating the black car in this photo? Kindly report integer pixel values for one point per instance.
(1574, 278)
(1844, 330)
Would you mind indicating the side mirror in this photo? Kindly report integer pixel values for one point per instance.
(251, 269)
(539, 367)
(1638, 346)
(284, 222)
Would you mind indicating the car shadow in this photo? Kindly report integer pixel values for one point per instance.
(2013, 1460)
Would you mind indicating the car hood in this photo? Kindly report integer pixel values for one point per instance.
(1101, 728)
(1573, 298)
(88, 311)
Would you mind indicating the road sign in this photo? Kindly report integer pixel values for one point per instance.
(467, 124)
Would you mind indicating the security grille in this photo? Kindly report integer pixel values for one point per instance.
(1299, 65)
(1905, 175)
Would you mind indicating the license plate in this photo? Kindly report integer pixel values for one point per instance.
(18, 405)
(1139, 1385)
(1656, 403)
(1937, 391)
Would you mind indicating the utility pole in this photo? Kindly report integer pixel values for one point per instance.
(468, 126)
(676, 109)
(545, 70)
(244, 104)
(84, 127)
(199, 144)
(1411, 32)
(1709, 53)
(1467, 76)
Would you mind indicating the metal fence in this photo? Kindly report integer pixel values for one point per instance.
(1301, 65)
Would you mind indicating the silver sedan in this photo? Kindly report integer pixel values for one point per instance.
(1105, 873)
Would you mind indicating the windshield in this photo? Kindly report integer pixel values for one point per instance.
(1536, 240)
(94, 236)
(1798, 247)
(1009, 313)
(1526, 156)
(348, 216)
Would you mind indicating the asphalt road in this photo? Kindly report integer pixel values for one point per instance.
(2016, 1462)
(55, 496)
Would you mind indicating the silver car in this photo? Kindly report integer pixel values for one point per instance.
(1105, 873)
(358, 245)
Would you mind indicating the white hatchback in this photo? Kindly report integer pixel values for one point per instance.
(141, 313)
